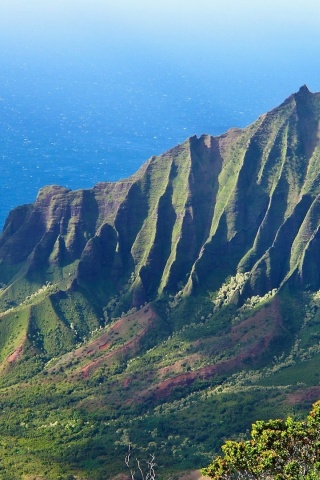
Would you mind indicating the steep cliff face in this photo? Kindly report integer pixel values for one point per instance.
(203, 210)
(195, 280)
(244, 202)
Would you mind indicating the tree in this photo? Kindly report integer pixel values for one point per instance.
(278, 450)
(149, 474)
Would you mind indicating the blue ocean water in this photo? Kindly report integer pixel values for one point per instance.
(77, 130)
(76, 124)
(90, 90)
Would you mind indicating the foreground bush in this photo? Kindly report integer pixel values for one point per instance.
(278, 450)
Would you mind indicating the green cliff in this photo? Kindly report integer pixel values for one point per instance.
(190, 287)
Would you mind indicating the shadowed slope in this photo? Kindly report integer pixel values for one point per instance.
(246, 201)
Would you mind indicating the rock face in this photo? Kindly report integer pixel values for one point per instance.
(247, 201)
(183, 299)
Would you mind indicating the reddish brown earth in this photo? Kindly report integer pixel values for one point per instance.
(131, 347)
(243, 343)
(143, 319)
(307, 395)
(179, 365)
(128, 331)
(248, 340)
(17, 354)
(264, 324)
(193, 475)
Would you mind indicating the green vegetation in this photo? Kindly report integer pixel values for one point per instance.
(278, 449)
(167, 311)
(71, 424)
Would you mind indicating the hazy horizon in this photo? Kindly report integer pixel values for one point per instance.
(90, 90)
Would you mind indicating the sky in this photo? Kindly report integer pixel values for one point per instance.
(185, 21)
(233, 42)
(139, 76)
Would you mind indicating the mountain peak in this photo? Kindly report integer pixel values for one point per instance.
(303, 90)
(200, 268)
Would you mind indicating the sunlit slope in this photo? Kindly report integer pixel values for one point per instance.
(245, 202)
(170, 309)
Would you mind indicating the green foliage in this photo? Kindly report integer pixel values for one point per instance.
(279, 450)
(222, 235)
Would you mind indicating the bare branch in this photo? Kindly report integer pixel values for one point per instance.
(127, 462)
(141, 472)
(150, 475)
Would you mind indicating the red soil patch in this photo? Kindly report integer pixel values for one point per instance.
(104, 346)
(310, 395)
(131, 346)
(142, 319)
(252, 336)
(193, 475)
(164, 389)
(17, 354)
(263, 324)
(121, 476)
(178, 366)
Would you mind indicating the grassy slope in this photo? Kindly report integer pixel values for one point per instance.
(83, 423)
(80, 380)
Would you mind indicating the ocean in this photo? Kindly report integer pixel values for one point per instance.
(90, 90)
(78, 124)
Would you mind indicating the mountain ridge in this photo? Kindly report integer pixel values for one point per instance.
(193, 282)
(227, 204)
